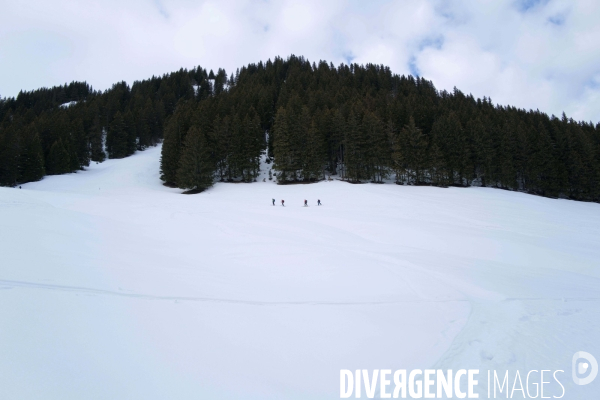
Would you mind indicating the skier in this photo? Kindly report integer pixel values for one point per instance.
(305, 203)
(318, 202)
(282, 201)
(273, 201)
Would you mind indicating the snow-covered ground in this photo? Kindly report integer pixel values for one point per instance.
(68, 104)
(113, 286)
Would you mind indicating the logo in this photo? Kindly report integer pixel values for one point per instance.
(582, 363)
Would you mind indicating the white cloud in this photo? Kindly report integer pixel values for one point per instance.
(528, 53)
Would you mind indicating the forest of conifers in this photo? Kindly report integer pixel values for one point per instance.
(310, 121)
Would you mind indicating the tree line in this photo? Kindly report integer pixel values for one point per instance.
(64, 128)
(361, 123)
(365, 124)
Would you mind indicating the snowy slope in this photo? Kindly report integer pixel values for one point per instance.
(113, 286)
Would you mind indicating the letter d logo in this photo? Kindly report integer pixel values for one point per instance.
(581, 367)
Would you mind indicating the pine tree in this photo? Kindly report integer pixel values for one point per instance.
(435, 166)
(130, 132)
(69, 141)
(145, 125)
(82, 145)
(96, 140)
(410, 154)
(282, 147)
(196, 171)
(355, 148)
(453, 143)
(9, 157)
(506, 157)
(221, 139)
(338, 128)
(116, 138)
(478, 165)
(175, 130)
(31, 157)
(379, 155)
(58, 159)
(254, 142)
(298, 120)
(540, 163)
(314, 154)
(237, 158)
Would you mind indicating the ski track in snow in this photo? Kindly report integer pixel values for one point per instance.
(32, 285)
(114, 286)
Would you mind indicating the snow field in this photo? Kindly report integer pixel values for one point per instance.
(114, 286)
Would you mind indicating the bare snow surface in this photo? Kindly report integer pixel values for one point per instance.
(113, 286)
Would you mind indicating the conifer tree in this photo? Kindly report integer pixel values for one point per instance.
(338, 128)
(82, 144)
(507, 172)
(131, 134)
(173, 142)
(452, 141)
(355, 146)
(480, 150)
(237, 158)
(435, 166)
(145, 126)
(116, 138)
(282, 147)
(221, 140)
(58, 159)
(9, 157)
(314, 154)
(96, 138)
(169, 159)
(379, 156)
(297, 120)
(31, 157)
(410, 154)
(541, 166)
(196, 171)
(69, 141)
(253, 142)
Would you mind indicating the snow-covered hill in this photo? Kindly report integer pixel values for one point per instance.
(113, 286)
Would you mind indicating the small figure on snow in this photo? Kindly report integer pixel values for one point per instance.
(273, 201)
(283, 201)
(318, 202)
(305, 203)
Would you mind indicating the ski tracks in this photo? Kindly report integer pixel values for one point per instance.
(11, 284)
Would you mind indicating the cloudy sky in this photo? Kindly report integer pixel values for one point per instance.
(530, 53)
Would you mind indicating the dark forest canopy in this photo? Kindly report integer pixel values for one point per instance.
(360, 123)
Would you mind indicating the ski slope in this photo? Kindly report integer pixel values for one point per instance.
(113, 286)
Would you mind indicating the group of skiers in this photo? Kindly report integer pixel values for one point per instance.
(305, 202)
